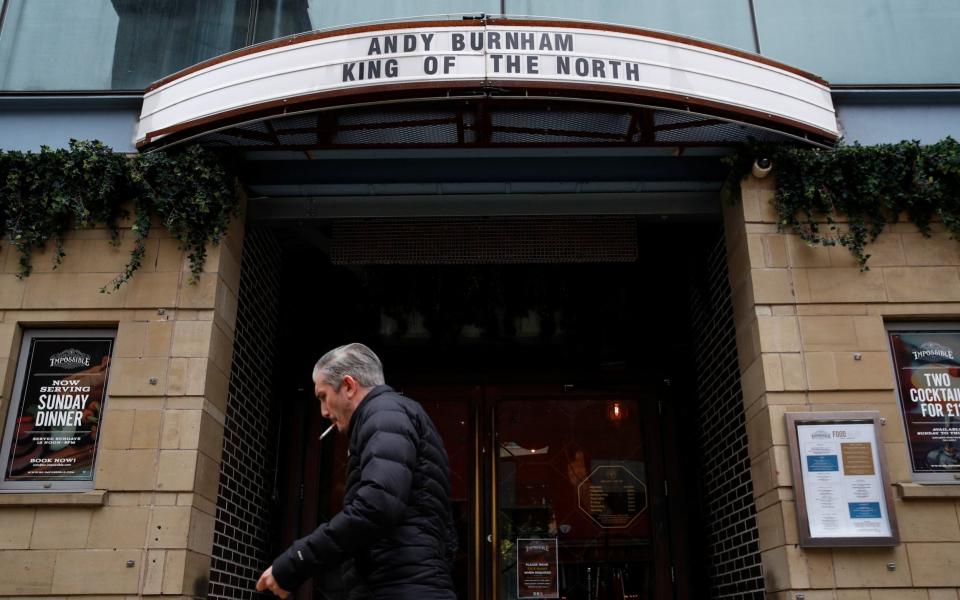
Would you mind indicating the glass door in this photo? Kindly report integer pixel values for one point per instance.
(556, 493)
(578, 492)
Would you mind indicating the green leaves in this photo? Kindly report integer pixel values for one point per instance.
(43, 195)
(848, 195)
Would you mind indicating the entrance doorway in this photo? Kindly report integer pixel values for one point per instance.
(556, 490)
(557, 391)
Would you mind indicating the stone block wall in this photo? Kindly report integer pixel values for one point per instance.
(810, 329)
(147, 529)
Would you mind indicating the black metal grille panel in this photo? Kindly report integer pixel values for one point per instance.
(672, 117)
(242, 532)
(408, 135)
(564, 120)
(370, 117)
(533, 137)
(235, 138)
(718, 133)
(307, 121)
(731, 541)
(497, 240)
(259, 126)
(297, 139)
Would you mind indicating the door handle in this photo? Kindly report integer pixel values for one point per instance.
(489, 538)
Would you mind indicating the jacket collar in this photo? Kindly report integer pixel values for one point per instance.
(373, 393)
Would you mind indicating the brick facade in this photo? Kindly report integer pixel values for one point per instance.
(242, 538)
(730, 521)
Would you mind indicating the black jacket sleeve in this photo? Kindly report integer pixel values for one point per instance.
(388, 452)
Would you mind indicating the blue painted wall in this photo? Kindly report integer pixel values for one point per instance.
(29, 123)
(878, 123)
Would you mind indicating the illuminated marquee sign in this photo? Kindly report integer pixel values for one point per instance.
(517, 54)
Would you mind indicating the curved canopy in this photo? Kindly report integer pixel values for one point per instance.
(486, 82)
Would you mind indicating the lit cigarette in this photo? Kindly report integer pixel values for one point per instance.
(324, 434)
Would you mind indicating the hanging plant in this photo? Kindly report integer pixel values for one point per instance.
(194, 195)
(43, 195)
(847, 196)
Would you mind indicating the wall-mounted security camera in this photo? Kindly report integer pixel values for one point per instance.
(762, 167)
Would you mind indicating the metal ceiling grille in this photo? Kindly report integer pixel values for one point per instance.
(707, 132)
(497, 240)
(394, 134)
(488, 123)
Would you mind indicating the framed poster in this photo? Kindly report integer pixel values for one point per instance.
(840, 480)
(537, 568)
(53, 421)
(926, 366)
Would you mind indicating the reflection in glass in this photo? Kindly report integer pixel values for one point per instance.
(722, 21)
(278, 18)
(159, 37)
(574, 471)
(57, 45)
(48, 45)
(113, 44)
(864, 41)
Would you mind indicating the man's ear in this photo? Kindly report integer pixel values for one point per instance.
(351, 385)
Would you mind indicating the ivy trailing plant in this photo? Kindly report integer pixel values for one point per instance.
(43, 195)
(846, 196)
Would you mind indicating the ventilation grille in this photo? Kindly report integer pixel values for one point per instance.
(457, 241)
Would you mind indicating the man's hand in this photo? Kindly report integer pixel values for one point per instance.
(267, 582)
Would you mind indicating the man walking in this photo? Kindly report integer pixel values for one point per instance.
(395, 536)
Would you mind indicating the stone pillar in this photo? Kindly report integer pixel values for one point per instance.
(811, 337)
(162, 426)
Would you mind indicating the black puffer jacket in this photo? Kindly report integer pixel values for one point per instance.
(395, 535)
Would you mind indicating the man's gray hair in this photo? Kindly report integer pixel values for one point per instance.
(355, 360)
